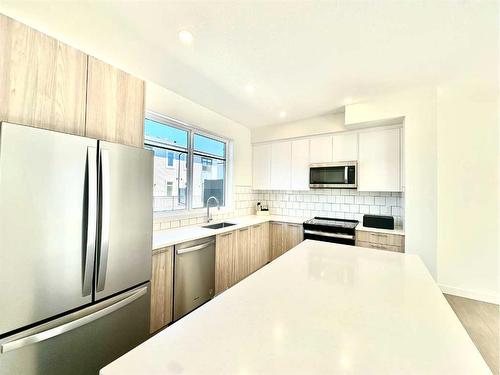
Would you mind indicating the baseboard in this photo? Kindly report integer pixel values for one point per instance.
(472, 294)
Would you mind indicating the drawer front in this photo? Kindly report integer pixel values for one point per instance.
(370, 245)
(380, 238)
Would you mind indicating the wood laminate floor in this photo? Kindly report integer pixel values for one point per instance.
(480, 320)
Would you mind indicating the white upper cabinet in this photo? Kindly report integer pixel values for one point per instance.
(281, 163)
(300, 165)
(321, 149)
(261, 167)
(379, 160)
(345, 147)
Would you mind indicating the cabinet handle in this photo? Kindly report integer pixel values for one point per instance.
(243, 229)
(226, 234)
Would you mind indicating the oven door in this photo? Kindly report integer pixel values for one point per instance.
(333, 175)
(317, 235)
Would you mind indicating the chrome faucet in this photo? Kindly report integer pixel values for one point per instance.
(209, 215)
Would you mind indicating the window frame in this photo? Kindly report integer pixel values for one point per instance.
(191, 152)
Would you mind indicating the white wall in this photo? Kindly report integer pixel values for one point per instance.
(168, 103)
(419, 109)
(468, 190)
(315, 125)
(451, 187)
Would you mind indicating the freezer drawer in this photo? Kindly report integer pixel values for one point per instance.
(80, 343)
(47, 200)
(194, 275)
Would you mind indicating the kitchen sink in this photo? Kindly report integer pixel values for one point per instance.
(218, 225)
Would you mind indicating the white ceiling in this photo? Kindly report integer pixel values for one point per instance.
(303, 57)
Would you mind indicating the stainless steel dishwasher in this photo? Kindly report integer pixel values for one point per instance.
(194, 275)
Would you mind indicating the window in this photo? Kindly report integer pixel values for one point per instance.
(170, 159)
(189, 167)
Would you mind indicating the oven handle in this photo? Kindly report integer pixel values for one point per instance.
(327, 234)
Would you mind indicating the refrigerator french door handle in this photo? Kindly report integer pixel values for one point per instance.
(91, 221)
(69, 326)
(105, 219)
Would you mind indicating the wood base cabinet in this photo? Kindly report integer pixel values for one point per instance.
(225, 261)
(162, 283)
(259, 254)
(380, 241)
(283, 237)
(243, 251)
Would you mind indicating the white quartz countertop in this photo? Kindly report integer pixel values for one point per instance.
(321, 308)
(193, 232)
(398, 231)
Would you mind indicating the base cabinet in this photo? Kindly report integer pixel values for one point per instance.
(380, 241)
(225, 261)
(259, 254)
(162, 282)
(243, 252)
(283, 237)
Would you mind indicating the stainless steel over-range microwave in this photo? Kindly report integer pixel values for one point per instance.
(333, 175)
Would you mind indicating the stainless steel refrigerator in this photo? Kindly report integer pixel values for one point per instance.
(75, 251)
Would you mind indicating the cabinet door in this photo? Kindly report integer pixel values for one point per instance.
(161, 288)
(42, 80)
(261, 171)
(225, 272)
(379, 164)
(281, 154)
(321, 149)
(345, 147)
(259, 254)
(243, 250)
(294, 235)
(115, 105)
(277, 239)
(300, 165)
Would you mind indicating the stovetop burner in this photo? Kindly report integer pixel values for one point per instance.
(332, 222)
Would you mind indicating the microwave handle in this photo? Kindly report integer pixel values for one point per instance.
(346, 175)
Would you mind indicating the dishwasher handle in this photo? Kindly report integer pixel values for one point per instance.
(195, 248)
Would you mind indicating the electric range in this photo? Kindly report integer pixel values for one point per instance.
(326, 229)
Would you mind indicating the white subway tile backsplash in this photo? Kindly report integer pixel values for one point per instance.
(335, 203)
(349, 199)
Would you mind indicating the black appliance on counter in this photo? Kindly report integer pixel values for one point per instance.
(326, 229)
(378, 221)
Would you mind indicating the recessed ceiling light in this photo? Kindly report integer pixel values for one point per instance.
(249, 88)
(348, 100)
(185, 37)
(282, 114)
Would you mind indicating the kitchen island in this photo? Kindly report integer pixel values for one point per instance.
(319, 308)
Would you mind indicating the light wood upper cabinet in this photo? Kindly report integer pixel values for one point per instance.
(243, 250)
(115, 105)
(161, 288)
(300, 165)
(345, 147)
(281, 154)
(321, 149)
(259, 253)
(379, 163)
(42, 81)
(261, 168)
(225, 261)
